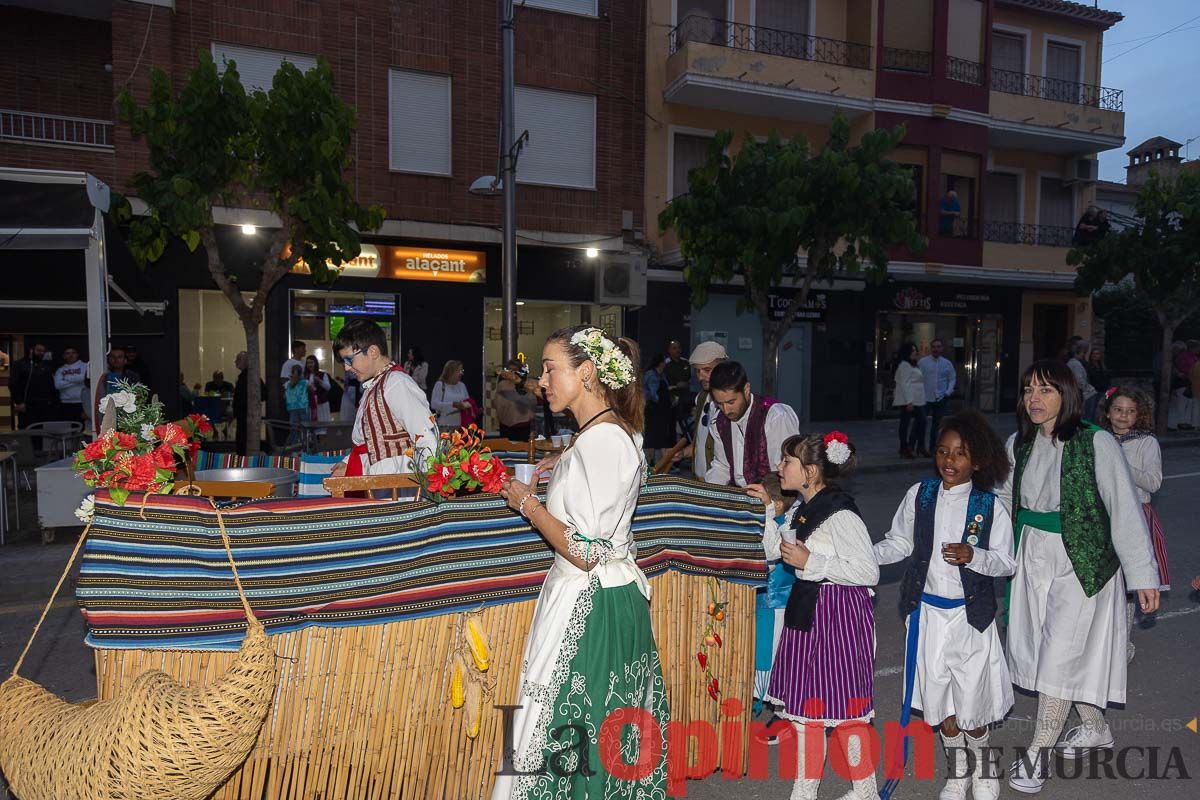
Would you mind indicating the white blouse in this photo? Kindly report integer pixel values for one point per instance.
(594, 490)
(839, 549)
(910, 385)
(443, 399)
(1145, 464)
(949, 521)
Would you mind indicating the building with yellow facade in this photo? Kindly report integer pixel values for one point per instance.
(1003, 104)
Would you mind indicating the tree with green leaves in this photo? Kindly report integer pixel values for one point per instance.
(1160, 255)
(284, 150)
(755, 215)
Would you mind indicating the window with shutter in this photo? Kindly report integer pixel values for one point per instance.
(1003, 207)
(1062, 72)
(780, 26)
(702, 21)
(687, 152)
(585, 7)
(419, 122)
(1056, 212)
(562, 137)
(257, 66)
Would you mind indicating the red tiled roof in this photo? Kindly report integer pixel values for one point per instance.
(1065, 8)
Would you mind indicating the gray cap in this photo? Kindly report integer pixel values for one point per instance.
(708, 352)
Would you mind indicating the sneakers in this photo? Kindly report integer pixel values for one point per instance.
(1028, 780)
(1082, 740)
(984, 784)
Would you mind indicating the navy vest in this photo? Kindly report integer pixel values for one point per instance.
(979, 590)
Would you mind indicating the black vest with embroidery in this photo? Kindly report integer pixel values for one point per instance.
(978, 590)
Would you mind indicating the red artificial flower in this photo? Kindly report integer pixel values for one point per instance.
(836, 436)
(171, 435)
(200, 423)
(125, 441)
(702, 659)
(94, 451)
(138, 472)
(164, 457)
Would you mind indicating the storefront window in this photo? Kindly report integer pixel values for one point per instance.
(210, 337)
(317, 317)
(536, 320)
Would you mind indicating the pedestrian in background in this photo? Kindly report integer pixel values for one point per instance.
(318, 392)
(678, 374)
(940, 380)
(660, 421)
(450, 396)
(417, 367)
(1080, 354)
(296, 393)
(34, 397)
(70, 380)
(910, 399)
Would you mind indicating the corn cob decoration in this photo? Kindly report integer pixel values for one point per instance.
(474, 702)
(457, 677)
(478, 645)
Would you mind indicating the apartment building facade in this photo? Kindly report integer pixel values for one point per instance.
(424, 78)
(1002, 102)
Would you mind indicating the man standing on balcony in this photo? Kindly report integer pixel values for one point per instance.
(949, 211)
(940, 378)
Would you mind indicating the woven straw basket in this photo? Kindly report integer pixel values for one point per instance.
(157, 740)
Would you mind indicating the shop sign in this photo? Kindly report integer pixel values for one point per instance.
(364, 265)
(813, 310)
(424, 264)
(913, 299)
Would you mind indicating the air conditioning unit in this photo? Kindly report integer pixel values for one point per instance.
(621, 279)
(1083, 170)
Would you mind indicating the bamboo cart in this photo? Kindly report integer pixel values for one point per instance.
(365, 601)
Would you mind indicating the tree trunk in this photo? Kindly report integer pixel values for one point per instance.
(1164, 380)
(253, 386)
(769, 363)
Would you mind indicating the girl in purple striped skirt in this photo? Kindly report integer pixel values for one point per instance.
(823, 674)
(1128, 414)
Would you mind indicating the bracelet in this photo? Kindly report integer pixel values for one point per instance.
(521, 505)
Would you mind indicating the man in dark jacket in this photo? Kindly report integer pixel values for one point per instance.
(34, 397)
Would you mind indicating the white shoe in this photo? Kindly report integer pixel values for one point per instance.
(1027, 781)
(1130, 650)
(984, 785)
(959, 779)
(1082, 740)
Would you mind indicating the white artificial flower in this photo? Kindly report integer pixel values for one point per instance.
(837, 452)
(86, 510)
(148, 433)
(126, 401)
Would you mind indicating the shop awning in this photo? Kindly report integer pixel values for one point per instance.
(60, 210)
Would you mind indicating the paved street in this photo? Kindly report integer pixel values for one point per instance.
(1163, 693)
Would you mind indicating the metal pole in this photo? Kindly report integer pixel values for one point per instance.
(508, 176)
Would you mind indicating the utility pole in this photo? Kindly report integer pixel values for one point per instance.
(508, 177)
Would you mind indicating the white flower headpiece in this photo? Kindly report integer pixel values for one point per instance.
(613, 368)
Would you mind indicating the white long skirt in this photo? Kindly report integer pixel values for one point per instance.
(961, 671)
(1060, 641)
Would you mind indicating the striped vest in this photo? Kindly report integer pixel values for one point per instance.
(384, 435)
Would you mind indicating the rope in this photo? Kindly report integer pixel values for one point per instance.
(61, 579)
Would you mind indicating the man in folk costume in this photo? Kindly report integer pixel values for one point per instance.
(393, 417)
(704, 359)
(748, 436)
(1081, 543)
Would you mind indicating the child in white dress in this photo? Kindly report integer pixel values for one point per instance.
(960, 540)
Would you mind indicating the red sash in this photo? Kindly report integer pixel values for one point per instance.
(354, 463)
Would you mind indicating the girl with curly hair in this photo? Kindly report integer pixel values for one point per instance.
(960, 540)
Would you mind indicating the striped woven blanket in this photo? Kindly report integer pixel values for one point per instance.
(158, 577)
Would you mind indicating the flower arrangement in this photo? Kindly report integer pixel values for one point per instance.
(460, 464)
(613, 368)
(138, 450)
(837, 448)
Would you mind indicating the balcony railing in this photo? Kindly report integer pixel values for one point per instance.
(755, 38)
(915, 61)
(960, 228)
(51, 129)
(1057, 89)
(1018, 233)
(964, 71)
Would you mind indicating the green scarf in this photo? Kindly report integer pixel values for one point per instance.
(1082, 518)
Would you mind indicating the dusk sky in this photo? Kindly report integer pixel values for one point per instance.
(1160, 77)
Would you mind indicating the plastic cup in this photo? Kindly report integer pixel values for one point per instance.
(525, 473)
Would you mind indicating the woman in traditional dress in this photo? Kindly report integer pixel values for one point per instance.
(590, 649)
(1081, 540)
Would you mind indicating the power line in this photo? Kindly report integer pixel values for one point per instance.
(1149, 36)
(1152, 39)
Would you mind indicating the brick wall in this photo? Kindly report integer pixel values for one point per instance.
(52, 64)
(361, 40)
